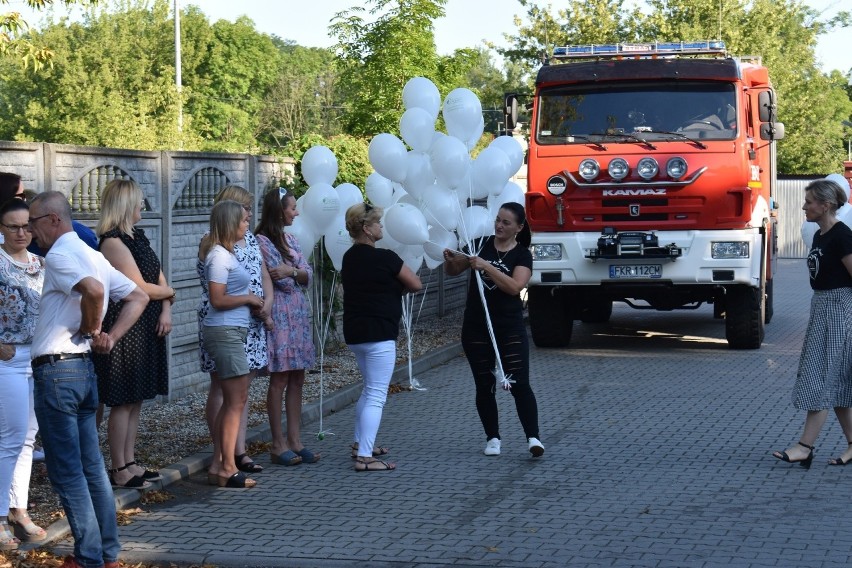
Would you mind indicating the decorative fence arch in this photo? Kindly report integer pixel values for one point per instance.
(85, 194)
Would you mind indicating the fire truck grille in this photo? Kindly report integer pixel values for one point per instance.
(623, 206)
(626, 217)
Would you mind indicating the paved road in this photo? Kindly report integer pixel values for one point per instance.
(658, 439)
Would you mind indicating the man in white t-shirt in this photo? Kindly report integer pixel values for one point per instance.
(78, 284)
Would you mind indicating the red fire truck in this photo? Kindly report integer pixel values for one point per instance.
(651, 178)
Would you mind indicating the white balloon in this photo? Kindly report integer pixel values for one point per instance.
(419, 175)
(489, 172)
(477, 134)
(420, 92)
(412, 256)
(406, 224)
(475, 222)
(441, 208)
(417, 128)
(348, 194)
(462, 113)
(387, 155)
(409, 199)
(513, 150)
(809, 229)
(439, 239)
(398, 192)
(431, 263)
(321, 206)
(337, 241)
(512, 192)
(379, 190)
(841, 181)
(319, 165)
(450, 161)
(304, 233)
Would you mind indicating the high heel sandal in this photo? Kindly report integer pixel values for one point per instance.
(30, 532)
(135, 482)
(805, 462)
(840, 461)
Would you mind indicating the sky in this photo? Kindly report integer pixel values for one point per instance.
(467, 22)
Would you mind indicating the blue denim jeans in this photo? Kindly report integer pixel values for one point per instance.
(65, 398)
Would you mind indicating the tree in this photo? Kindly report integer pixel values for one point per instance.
(13, 30)
(783, 32)
(305, 97)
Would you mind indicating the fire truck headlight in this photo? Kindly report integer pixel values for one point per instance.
(647, 168)
(676, 167)
(589, 169)
(736, 249)
(618, 169)
(546, 252)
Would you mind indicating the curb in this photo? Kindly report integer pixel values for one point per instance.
(311, 412)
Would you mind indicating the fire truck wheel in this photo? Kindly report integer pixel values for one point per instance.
(744, 317)
(550, 322)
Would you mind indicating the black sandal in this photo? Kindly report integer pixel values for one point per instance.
(148, 474)
(135, 482)
(247, 467)
(805, 462)
(383, 465)
(839, 461)
(236, 481)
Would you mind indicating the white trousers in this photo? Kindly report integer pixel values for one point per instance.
(376, 362)
(18, 428)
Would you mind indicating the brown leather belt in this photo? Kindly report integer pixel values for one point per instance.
(44, 359)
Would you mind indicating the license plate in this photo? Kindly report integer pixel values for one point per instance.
(636, 271)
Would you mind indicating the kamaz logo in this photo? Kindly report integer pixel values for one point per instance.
(621, 192)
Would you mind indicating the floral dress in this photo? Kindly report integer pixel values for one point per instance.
(20, 294)
(250, 258)
(290, 343)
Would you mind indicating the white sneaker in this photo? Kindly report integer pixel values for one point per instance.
(492, 448)
(536, 448)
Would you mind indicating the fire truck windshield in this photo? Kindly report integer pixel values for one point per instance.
(577, 114)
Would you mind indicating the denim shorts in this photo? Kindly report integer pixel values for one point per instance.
(226, 344)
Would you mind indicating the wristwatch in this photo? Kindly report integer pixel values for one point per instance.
(295, 272)
(87, 336)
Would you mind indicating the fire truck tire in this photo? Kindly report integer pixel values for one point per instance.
(770, 311)
(598, 311)
(550, 322)
(744, 317)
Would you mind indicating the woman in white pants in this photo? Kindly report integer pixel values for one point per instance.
(373, 283)
(21, 280)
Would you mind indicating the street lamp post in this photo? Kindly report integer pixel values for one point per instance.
(178, 79)
(848, 141)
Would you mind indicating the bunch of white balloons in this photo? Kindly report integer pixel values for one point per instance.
(426, 188)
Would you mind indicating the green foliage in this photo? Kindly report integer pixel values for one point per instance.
(353, 165)
(13, 29)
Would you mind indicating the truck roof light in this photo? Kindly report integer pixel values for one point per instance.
(676, 167)
(647, 168)
(652, 49)
(618, 169)
(589, 169)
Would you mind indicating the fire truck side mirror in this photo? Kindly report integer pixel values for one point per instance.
(766, 106)
(510, 111)
(771, 130)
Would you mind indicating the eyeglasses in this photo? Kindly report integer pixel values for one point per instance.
(15, 229)
(34, 219)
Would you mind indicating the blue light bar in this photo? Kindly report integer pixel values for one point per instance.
(655, 49)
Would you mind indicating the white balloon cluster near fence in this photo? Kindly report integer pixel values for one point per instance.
(426, 181)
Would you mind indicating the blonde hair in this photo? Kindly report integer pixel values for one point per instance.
(119, 200)
(359, 215)
(235, 193)
(225, 221)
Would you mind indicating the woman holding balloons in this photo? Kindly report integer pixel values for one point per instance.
(505, 265)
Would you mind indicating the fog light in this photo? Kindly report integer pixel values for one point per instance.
(647, 168)
(589, 169)
(676, 167)
(735, 249)
(618, 169)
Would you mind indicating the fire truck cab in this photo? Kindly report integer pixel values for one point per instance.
(651, 181)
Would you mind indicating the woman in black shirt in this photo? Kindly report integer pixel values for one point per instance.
(374, 281)
(824, 379)
(505, 265)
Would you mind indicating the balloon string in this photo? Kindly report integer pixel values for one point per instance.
(407, 316)
(321, 329)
